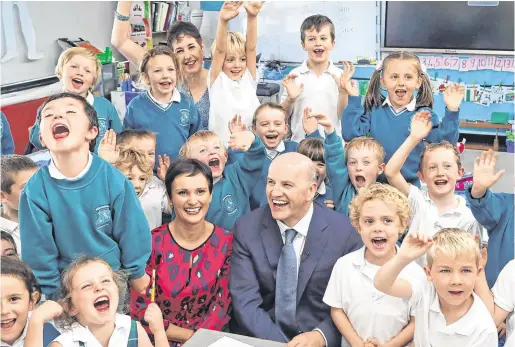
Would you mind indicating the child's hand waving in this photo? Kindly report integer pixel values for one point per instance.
(453, 96)
(484, 173)
(253, 7)
(414, 246)
(229, 10)
(421, 125)
(47, 311)
(163, 165)
(236, 125)
(108, 150)
(309, 123)
(324, 121)
(291, 87)
(345, 82)
(241, 140)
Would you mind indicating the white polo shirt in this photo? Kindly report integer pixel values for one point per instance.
(371, 312)
(425, 216)
(154, 201)
(79, 333)
(475, 329)
(320, 93)
(504, 297)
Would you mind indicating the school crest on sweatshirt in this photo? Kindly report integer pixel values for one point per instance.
(229, 204)
(185, 117)
(103, 216)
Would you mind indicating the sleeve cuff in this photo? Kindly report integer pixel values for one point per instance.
(331, 138)
(452, 114)
(321, 332)
(354, 101)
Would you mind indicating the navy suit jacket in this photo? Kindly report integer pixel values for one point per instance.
(257, 246)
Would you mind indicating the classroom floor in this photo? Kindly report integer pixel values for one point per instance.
(505, 161)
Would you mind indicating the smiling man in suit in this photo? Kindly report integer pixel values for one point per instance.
(282, 258)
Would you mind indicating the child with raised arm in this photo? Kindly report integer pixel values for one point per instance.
(79, 203)
(362, 314)
(163, 110)
(447, 312)
(388, 119)
(504, 299)
(233, 183)
(232, 79)
(315, 83)
(79, 69)
(351, 169)
(440, 168)
(495, 212)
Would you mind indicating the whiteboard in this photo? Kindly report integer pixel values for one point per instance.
(356, 27)
(91, 20)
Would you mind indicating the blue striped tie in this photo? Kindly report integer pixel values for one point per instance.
(286, 286)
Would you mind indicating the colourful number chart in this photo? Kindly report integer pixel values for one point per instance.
(452, 62)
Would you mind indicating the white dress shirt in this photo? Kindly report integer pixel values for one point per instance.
(504, 297)
(154, 201)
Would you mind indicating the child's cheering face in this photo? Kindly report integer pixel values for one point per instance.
(364, 167)
(12, 200)
(78, 75)
(94, 295)
(137, 177)
(146, 145)
(320, 169)
(454, 278)
(65, 126)
(271, 127)
(211, 152)
(319, 44)
(16, 304)
(379, 227)
(440, 172)
(161, 75)
(234, 65)
(401, 77)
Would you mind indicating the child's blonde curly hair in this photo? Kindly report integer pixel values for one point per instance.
(130, 157)
(235, 44)
(386, 193)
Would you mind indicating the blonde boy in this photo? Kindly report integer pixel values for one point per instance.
(314, 83)
(350, 170)
(362, 314)
(440, 168)
(79, 69)
(232, 184)
(150, 190)
(447, 312)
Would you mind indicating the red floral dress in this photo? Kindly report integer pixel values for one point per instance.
(192, 286)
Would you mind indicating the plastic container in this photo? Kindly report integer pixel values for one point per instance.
(499, 117)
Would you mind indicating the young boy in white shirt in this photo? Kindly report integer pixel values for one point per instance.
(362, 314)
(16, 171)
(447, 312)
(440, 168)
(504, 299)
(314, 83)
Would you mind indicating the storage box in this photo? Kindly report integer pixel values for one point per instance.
(499, 117)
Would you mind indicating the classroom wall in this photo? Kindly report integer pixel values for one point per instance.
(91, 20)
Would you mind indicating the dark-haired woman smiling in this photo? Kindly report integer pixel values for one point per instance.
(191, 258)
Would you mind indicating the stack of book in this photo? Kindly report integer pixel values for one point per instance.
(163, 15)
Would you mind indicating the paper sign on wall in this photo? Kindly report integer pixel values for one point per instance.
(452, 62)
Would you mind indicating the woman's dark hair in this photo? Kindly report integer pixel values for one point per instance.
(90, 112)
(181, 29)
(15, 268)
(191, 167)
(5, 236)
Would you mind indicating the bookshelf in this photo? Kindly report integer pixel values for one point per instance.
(162, 15)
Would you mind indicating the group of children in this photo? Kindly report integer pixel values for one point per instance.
(102, 192)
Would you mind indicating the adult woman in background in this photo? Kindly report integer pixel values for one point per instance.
(190, 257)
(185, 41)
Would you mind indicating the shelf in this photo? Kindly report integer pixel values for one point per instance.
(159, 32)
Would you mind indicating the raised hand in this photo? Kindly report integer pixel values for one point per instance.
(291, 87)
(324, 121)
(415, 245)
(309, 123)
(163, 165)
(154, 318)
(47, 311)
(108, 150)
(453, 96)
(253, 7)
(229, 10)
(421, 125)
(241, 140)
(236, 125)
(484, 173)
(345, 82)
